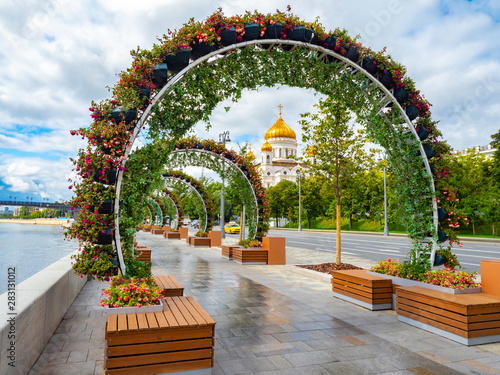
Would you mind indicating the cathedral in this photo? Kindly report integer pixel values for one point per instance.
(276, 162)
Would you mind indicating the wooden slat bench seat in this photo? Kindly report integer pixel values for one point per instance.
(250, 256)
(171, 287)
(470, 319)
(180, 338)
(144, 254)
(227, 251)
(356, 286)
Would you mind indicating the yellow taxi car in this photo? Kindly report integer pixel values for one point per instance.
(232, 228)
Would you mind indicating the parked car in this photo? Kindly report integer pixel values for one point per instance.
(232, 228)
(195, 223)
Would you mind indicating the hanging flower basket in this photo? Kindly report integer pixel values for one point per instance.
(298, 33)
(105, 238)
(108, 177)
(352, 54)
(412, 112)
(119, 115)
(429, 151)
(442, 236)
(311, 36)
(442, 214)
(106, 207)
(105, 149)
(200, 49)
(401, 95)
(178, 60)
(273, 31)
(387, 80)
(251, 31)
(369, 65)
(228, 36)
(160, 75)
(422, 133)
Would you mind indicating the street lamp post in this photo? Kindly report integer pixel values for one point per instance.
(223, 139)
(386, 227)
(300, 204)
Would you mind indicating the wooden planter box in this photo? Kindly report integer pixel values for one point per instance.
(171, 287)
(470, 319)
(173, 235)
(369, 291)
(227, 251)
(144, 255)
(200, 241)
(490, 271)
(189, 239)
(275, 247)
(216, 237)
(157, 231)
(250, 256)
(180, 338)
(147, 228)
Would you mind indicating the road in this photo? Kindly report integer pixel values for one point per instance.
(376, 247)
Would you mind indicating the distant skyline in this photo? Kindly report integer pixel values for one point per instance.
(57, 56)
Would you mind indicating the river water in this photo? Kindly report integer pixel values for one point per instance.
(30, 248)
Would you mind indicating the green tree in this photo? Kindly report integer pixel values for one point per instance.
(338, 147)
(311, 199)
(283, 197)
(496, 159)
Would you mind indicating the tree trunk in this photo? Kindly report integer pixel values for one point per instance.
(338, 258)
(493, 228)
(241, 222)
(277, 222)
(473, 229)
(350, 217)
(308, 222)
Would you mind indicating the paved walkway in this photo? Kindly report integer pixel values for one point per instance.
(271, 320)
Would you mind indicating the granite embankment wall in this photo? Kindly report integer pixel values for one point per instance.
(40, 304)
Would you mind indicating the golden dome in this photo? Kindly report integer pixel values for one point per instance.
(266, 147)
(280, 130)
(250, 155)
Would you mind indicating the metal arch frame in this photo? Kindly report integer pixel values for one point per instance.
(156, 215)
(229, 163)
(173, 203)
(196, 191)
(388, 97)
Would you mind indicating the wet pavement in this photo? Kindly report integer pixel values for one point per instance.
(271, 320)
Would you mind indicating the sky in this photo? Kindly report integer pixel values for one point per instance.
(57, 56)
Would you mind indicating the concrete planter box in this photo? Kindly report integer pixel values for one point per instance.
(399, 281)
(134, 310)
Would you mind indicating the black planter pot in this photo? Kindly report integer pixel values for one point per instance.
(181, 146)
(160, 75)
(439, 260)
(352, 54)
(387, 80)
(442, 236)
(166, 174)
(128, 116)
(109, 178)
(251, 31)
(178, 60)
(228, 156)
(100, 145)
(442, 214)
(331, 42)
(433, 171)
(298, 33)
(422, 133)
(228, 36)
(412, 112)
(311, 36)
(369, 65)
(243, 167)
(401, 95)
(429, 151)
(198, 146)
(200, 49)
(272, 32)
(105, 208)
(145, 94)
(206, 148)
(105, 238)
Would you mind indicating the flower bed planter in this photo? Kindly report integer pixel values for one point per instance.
(363, 289)
(250, 256)
(173, 235)
(399, 281)
(470, 319)
(133, 310)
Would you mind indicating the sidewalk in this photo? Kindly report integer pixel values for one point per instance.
(273, 321)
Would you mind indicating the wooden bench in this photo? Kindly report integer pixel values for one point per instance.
(180, 338)
(227, 251)
(171, 287)
(173, 235)
(144, 254)
(470, 319)
(369, 291)
(250, 256)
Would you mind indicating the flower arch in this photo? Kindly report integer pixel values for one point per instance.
(193, 69)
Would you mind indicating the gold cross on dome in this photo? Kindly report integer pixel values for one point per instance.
(250, 147)
(280, 106)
